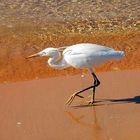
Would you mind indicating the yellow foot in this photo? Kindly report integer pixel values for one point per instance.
(69, 101)
(91, 102)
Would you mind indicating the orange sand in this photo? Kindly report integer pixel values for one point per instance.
(16, 45)
(35, 110)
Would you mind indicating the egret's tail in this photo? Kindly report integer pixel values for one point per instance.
(117, 54)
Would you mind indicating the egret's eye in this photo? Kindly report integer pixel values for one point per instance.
(43, 53)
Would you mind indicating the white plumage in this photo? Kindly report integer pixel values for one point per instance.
(87, 55)
(83, 55)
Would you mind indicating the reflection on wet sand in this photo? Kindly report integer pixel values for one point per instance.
(94, 124)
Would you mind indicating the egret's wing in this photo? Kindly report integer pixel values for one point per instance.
(71, 52)
(85, 48)
(85, 54)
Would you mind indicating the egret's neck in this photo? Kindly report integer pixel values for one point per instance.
(57, 61)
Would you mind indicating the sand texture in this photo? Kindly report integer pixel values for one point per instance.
(33, 95)
(14, 49)
(35, 110)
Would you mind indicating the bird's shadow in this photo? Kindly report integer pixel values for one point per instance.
(101, 102)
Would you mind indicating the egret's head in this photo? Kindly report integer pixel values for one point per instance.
(46, 52)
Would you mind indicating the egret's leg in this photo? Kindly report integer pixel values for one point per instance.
(96, 83)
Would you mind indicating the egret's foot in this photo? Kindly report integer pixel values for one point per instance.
(91, 102)
(70, 100)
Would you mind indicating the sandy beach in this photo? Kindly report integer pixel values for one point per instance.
(33, 95)
(36, 110)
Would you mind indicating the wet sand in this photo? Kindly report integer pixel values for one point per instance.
(35, 110)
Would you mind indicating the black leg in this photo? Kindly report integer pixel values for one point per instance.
(96, 83)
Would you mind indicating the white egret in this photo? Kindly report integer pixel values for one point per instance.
(83, 55)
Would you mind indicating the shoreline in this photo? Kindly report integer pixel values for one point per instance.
(83, 73)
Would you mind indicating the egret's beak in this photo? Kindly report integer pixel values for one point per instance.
(34, 55)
